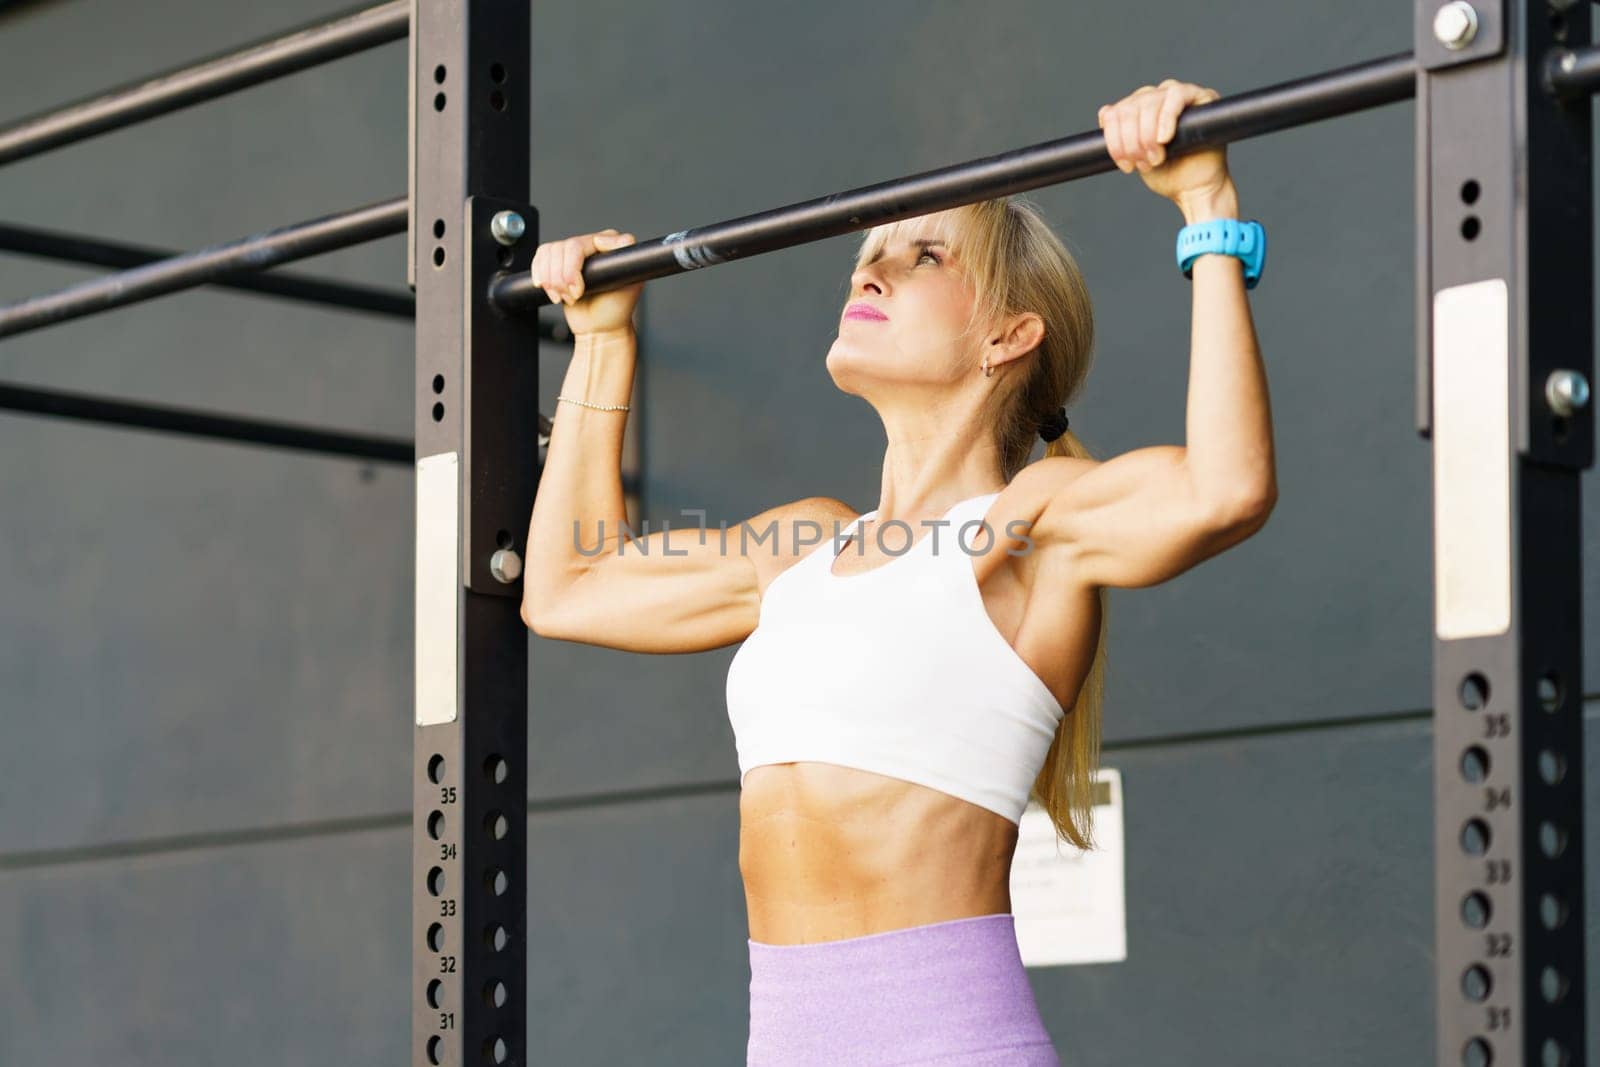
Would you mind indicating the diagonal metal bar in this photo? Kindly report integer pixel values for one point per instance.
(1249, 114)
(253, 64)
(98, 252)
(208, 265)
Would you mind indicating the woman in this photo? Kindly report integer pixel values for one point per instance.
(900, 692)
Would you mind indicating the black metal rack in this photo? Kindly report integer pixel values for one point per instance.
(1504, 361)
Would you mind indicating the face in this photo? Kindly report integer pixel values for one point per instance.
(917, 284)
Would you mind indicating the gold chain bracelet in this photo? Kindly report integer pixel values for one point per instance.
(597, 407)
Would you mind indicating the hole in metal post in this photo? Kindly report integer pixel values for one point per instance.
(1475, 983)
(1476, 910)
(1552, 767)
(497, 825)
(1550, 691)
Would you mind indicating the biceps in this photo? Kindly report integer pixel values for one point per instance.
(662, 593)
(1135, 520)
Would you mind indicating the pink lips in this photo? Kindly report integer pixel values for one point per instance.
(859, 310)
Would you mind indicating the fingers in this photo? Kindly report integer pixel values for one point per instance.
(1139, 126)
(557, 266)
(573, 252)
(1127, 121)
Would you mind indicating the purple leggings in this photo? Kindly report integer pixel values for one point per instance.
(945, 994)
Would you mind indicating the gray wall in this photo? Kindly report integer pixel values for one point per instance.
(205, 652)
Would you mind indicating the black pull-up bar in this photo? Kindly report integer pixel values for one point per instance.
(1234, 118)
(253, 64)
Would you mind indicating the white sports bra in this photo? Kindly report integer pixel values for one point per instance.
(897, 670)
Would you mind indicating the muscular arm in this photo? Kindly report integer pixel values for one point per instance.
(669, 592)
(1151, 514)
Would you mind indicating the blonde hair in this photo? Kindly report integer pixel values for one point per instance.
(1016, 263)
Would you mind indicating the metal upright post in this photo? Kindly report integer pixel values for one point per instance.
(476, 419)
(1505, 288)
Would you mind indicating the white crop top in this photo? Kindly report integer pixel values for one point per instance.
(897, 670)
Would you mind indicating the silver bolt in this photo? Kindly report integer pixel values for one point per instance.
(1569, 62)
(506, 566)
(507, 227)
(1566, 391)
(1456, 24)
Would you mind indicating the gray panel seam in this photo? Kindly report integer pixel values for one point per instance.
(33, 860)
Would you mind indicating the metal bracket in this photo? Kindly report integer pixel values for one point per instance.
(502, 381)
(1488, 37)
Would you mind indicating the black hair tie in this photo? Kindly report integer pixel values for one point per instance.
(1054, 424)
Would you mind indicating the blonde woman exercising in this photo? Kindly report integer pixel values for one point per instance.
(910, 677)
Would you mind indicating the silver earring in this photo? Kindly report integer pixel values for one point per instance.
(987, 370)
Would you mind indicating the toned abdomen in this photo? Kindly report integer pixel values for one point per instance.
(830, 852)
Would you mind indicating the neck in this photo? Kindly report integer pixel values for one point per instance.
(924, 475)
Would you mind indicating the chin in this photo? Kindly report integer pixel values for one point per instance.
(848, 367)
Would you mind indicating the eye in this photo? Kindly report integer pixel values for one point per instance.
(931, 254)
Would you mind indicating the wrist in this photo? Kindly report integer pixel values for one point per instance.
(1203, 205)
(610, 333)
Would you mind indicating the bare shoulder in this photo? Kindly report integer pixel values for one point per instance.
(1034, 486)
(781, 536)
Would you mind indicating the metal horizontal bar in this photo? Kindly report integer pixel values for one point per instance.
(94, 409)
(1250, 114)
(203, 424)
(263, 61)
(98, 252)
(1572, 71)
(208, 265)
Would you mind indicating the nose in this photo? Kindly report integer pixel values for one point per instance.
(867, 280)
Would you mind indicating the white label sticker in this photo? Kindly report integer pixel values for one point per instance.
(438, 587)
(1472, 460)
(1070, 905)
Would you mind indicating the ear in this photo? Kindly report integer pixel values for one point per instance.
(1017, 336)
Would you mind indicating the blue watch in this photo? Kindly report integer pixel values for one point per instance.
(1230, 237)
